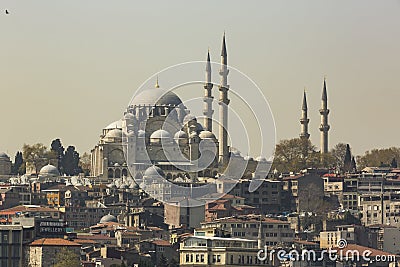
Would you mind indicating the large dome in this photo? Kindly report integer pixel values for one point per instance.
(108, 218)
(115, 124)
(49, 170)
(154, 171)
(156, 96)
(160, 134)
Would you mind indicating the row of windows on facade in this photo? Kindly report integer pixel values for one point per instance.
(240, 225)
(241, 259)
(237, 234)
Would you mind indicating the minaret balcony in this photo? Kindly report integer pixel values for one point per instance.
(324, 128)
(324, 111)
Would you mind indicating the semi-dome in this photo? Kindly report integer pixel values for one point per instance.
(180, 135)
(156, 96)
(260, 158)
(49, 170)
(206, 135)
(114, 133)
(129, 116)
(189, 117)
(154, 171)
(4, 156)
(160, 134)
(108, 218)
(115, 124)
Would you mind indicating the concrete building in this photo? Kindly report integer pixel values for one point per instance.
(42, 252)
(5, 164)
(382, 208)
(219, 251)
(275, 232)
(184, 212)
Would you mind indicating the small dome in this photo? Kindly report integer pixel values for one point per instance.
(4, 156)
(189, 117)
(129, 116)
(116, 124)
(49, 170)
(248, 158)
(261, 159)
(160, 134)
(114, 133)
(180, 135)
(154, 171)
(108, 218)
(116, 164)
(206, 135)
(141, 134)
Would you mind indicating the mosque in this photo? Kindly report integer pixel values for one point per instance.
(165, 138)
(161, 137)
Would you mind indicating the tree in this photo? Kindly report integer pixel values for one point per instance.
(57, 148)
(173, 263)
(18, 167)
(67, 258)
(163, 261)
(347, 160)
(338, 153)
(393, 164)
(35, 155)
(378, 157)
(71, 161)
(295, 154)
(85, 163)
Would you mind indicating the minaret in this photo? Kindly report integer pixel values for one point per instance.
(304, 119)
(208, 98)
(260, 237)
(324, 127)
(223, 106)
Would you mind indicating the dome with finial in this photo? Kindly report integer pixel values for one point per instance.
(49, 170)
(156, 97)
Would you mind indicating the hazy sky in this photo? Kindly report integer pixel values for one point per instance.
(68, 68)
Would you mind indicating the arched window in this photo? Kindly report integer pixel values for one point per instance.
(117, 173)
(110, 173)
(124, 172)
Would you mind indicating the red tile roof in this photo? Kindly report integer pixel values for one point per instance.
(54, 242)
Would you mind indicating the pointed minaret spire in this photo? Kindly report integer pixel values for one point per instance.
(208, 98)
(157, 85)
(304, 120)
(223, 107)
(223, 50)
(324, 127)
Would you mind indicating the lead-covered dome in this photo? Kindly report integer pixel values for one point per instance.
(49, 170)
(154, 171)
(114, 133)
(108, 218)
(156, 96)
(207, 135)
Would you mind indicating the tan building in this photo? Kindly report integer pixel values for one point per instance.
(185, 213)
(275, 232)
(5, 164)
(352, 234)
(383, 208)
(42, 252)
(219, 251)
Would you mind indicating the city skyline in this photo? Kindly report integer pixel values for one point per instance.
(70, 78)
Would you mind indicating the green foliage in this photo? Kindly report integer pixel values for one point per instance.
(173, 263)
(295, 154)
(37, 155)
(378, 157)
(57, 148)
(18, 166)
(71, 161)
(67, 258)
(85, 163)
